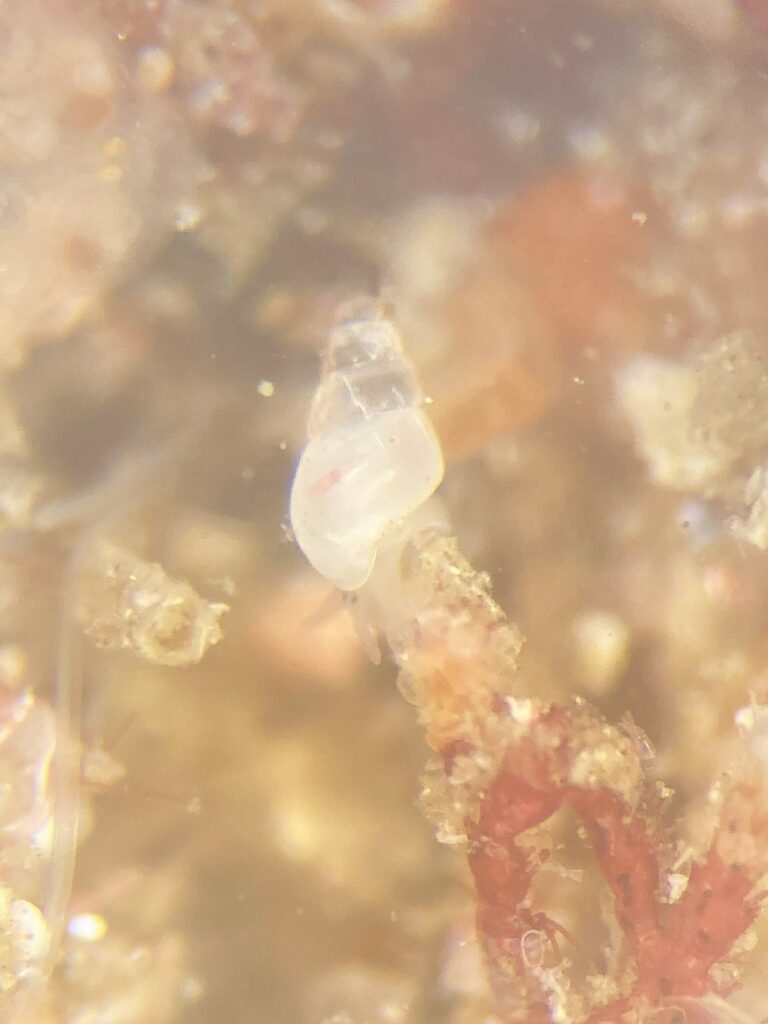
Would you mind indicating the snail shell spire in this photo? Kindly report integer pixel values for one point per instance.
(372, 458)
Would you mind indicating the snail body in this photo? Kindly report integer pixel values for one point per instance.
(372, 458)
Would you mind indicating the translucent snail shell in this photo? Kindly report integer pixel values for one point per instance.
(372, 457)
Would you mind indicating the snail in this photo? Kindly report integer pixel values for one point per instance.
(372, 458)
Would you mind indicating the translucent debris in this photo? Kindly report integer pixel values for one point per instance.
(657, 396)
(754, 527)
(27, 744)
(129, 604)
(694, 421)
(730, 411)
(24, 939)
(602, 647)
(115, 981)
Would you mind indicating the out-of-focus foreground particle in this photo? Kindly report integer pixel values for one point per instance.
(90, 169)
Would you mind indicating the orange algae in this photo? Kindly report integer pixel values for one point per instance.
(506, 371)
(572, 238)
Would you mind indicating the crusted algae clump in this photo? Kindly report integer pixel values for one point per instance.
(658, 397)
(24, 938)
(129, 604)
(696, 422)
(729, 415)
(462, 656)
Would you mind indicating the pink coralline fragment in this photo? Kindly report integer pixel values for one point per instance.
(91, 169)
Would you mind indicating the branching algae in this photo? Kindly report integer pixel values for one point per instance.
(509, 766)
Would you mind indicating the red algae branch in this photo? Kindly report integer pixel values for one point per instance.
(509, 762)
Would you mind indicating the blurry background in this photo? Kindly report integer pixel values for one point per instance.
(566, 202)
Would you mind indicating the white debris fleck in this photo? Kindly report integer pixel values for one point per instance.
(87, 927)
(676, 884)
(752, 720)
(188, 215)
(522, 711)
(602, 647)
(154, 69)
(657, 396)
(754, 528)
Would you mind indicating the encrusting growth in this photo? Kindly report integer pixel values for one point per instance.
(509, 763)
